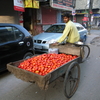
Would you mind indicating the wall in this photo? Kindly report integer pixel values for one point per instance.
(49, 16)
(46, 16)
(59, 20)
(82, 4)
(7, 13)
(79, 18)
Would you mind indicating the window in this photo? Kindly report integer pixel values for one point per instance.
(56, 29)
(6, 34)
(18, 33)
(80, 28)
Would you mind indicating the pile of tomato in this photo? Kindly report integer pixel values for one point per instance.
(45, 63)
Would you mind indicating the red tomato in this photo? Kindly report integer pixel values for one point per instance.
(45, 63)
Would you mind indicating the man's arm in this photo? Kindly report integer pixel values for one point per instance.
(65, 34)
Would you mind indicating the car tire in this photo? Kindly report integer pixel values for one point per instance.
(28, 55)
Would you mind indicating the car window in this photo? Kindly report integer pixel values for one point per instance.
(79, 28)
(6, 34)
(56, 29)
(18, 33)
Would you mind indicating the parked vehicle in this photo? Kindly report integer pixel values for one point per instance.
(53, 33)
(15, 43)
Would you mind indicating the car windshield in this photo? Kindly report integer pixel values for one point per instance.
(56, 29)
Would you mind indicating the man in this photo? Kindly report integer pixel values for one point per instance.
(99, 24)
(70, 33)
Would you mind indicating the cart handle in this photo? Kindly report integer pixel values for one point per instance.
(83, 46)
(82, 50)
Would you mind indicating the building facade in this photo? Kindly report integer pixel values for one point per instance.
(82, 7)
(7, 12)
(34, 20)
(38, 20)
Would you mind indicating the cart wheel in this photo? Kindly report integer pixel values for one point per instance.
(85, 52)
(71, 80)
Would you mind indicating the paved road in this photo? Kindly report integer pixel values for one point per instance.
(12, 88)
(90, 71)
(95, 32)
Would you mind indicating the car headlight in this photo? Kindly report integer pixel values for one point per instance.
(51, 41)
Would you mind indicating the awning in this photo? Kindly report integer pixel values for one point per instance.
(96, 15)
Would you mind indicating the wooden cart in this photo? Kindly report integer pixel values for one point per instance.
(70, 71)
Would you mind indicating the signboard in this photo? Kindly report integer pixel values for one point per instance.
(28, 4)
(36, 4)
(31, 4)
(62, 4)
(85, 19)
(73, 12)
(19, 5)
(96, 15)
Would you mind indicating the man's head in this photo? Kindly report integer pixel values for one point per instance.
(66, 17)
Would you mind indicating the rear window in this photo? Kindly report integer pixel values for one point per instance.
(80, 28)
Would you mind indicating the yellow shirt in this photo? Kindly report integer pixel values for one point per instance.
(71, 32)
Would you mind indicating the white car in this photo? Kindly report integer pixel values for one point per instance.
(53, 33)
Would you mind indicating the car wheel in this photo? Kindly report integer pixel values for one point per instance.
(28, 55)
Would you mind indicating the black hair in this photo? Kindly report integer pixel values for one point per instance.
(66, 15)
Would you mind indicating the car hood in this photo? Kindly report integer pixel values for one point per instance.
(47, 36)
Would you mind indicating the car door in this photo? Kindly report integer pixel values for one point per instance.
(82, 32)
(10, 44)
